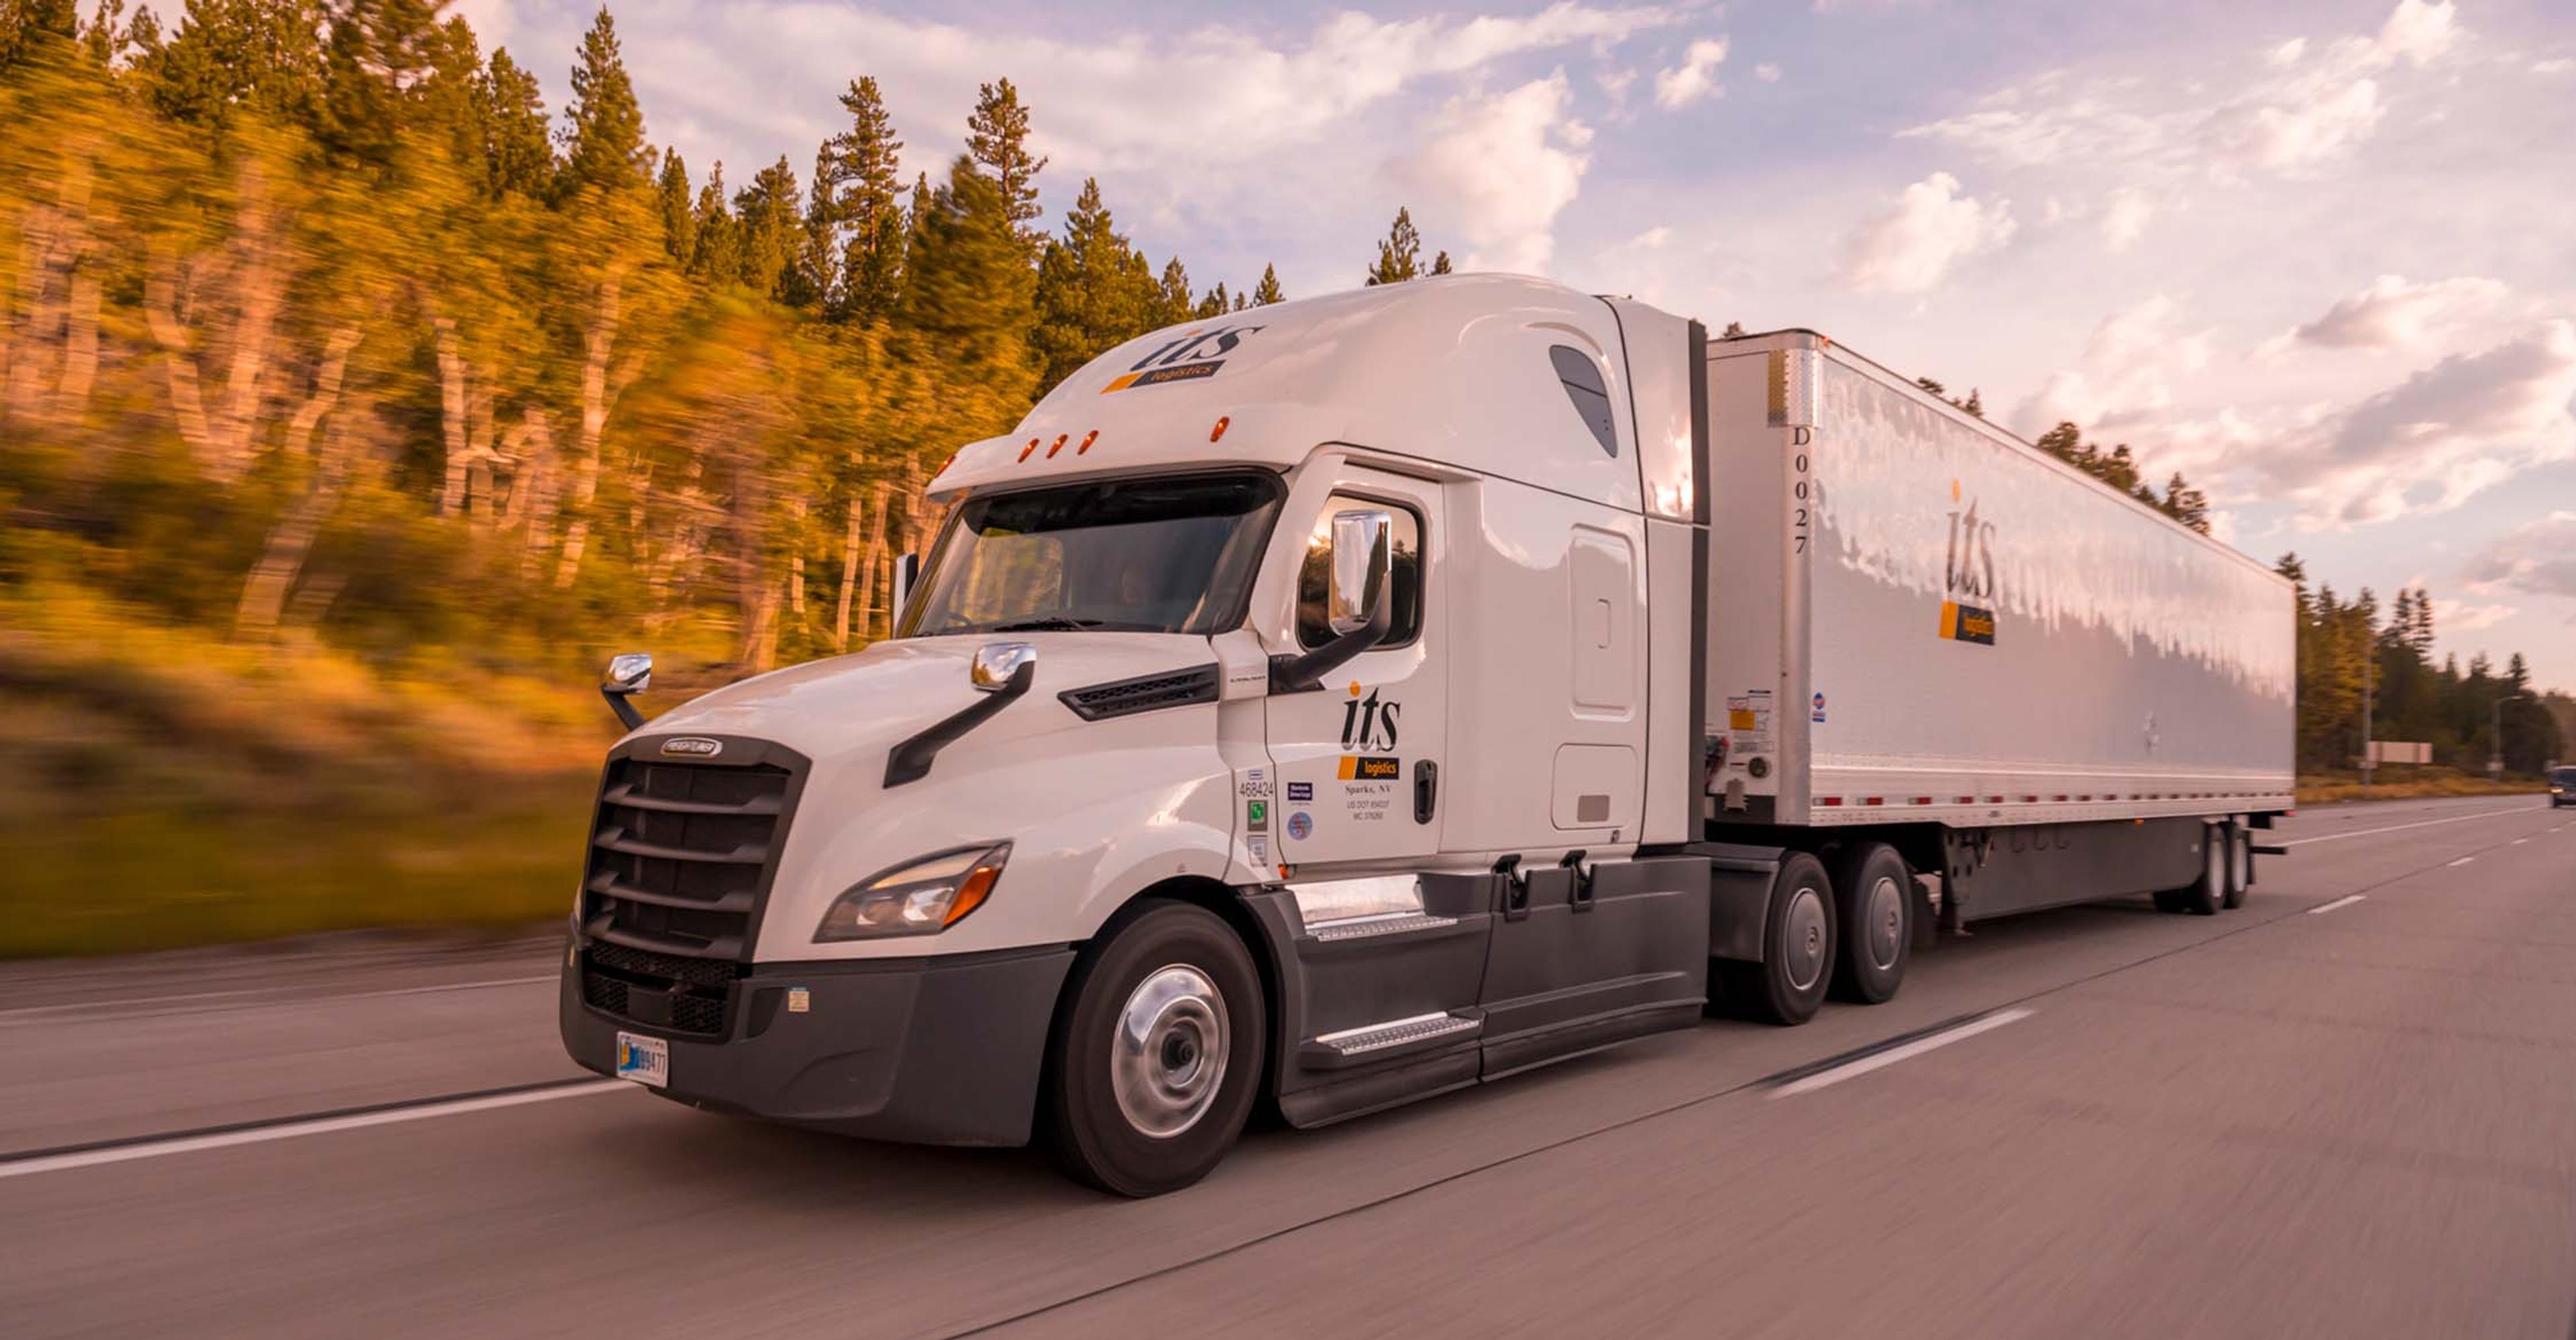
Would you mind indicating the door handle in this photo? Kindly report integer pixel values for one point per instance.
(1426, 790)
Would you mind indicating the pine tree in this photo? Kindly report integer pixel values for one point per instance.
(856, 184)
(2190, 506)
(1093, 291)
(1932, 386)
(375, 56)
(1734, 331)
(966, 296)
(231, 58)
(1172, 303)
(1269, 290)
(34, 30)
(716, 255)
(1975, 403)
(603, 134)
(679, 218)
(1399, 256)
(771, 213)
(517, 156)
(997, 135)
(1214, 303)
(1440, 264)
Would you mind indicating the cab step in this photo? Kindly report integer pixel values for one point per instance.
(1370, 928)
(1351, 1046)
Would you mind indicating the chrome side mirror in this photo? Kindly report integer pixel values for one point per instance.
(1361, 563)
(629, 673)
(997, 662)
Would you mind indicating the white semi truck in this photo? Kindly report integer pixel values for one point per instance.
(1350, 700)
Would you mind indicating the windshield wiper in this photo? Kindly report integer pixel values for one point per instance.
(1052, 623)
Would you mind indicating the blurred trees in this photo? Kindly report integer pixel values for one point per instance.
(314, 327)
(2345, 649)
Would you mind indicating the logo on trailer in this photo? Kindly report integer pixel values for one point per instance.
(698, 745)
(1968, 576)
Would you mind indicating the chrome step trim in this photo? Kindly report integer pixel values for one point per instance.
(1397, 1033)
(1384, 923)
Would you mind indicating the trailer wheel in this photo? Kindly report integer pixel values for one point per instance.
(2240, 865)
(2204, 898)
(1873, 893)
(1797, 948)
(1156, 1055)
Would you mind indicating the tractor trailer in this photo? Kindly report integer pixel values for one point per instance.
(1345, 701)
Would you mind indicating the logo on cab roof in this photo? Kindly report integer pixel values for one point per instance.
(1195, 355)
(693, 744)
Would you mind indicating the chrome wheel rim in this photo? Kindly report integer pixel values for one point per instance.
(1804, 959)
(1168, 1059)
(1886, 918)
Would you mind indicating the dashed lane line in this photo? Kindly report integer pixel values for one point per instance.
(2345, 901)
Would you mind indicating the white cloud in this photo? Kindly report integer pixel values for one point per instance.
(2297, 115)
(1499, 169)
(2127, 374)
(1767, 73)
(2394, 314)
(1931, 227)
(2465, 424)
(2554, 65)
(1216, 98)
(2539, 557)
(2453, 616)
(492, 20)
(1695, 78)
(2125, 219)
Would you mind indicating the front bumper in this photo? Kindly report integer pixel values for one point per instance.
(941, 1050)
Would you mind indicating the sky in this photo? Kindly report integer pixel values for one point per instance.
(2318, 256)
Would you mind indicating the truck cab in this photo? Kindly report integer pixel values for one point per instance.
(1300, 706)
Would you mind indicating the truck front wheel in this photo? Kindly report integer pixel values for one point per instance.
(1156, 1054)
(1874, 892)
(1797, 948)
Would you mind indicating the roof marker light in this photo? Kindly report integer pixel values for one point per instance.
(1219, 431)
(1087, 439)
(1032, 446)
(1060, 440)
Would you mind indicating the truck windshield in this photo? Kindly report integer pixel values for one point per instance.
(1165, 555)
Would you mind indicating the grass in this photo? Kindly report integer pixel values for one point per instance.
(2410, 783)
(120, 883)
(161, 787)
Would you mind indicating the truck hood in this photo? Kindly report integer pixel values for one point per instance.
(1093, 809)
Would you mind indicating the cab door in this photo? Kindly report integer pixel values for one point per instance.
(1359, 760)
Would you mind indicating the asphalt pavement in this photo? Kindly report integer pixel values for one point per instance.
(2347, 1109)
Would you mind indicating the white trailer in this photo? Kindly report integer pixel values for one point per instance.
(1353, 699)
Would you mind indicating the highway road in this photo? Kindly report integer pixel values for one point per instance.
(2348, 1109)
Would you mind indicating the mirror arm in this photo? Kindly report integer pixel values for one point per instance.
(910, 760)
(626, 713)
(1304, 672)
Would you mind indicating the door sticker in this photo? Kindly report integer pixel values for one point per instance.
(1300, 826)
(1748, 727)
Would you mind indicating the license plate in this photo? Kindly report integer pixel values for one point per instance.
(643, 1060)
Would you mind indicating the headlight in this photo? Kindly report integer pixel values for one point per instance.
(921, 897)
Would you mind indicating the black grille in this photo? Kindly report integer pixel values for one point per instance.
(679, 859)
(1146, 693)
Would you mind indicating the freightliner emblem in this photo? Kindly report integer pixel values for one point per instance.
(693, 744)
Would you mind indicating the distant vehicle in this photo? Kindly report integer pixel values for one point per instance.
(1355, 699)
(2562, 787)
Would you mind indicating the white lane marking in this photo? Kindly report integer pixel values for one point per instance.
(2517, 842)
(268, 995)
(2345, 901)
(2463, 860)
(1892, 1055)
(2399, 828)
(189, 1144)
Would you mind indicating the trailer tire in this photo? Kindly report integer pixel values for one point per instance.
(1873, 899)
(2240, 865)
(1798, 936)
(1129, 1103)
(2209, 893)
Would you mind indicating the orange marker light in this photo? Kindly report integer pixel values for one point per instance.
(1060, 440)
(1032, 446)
(1219, 430)
(1087, 439)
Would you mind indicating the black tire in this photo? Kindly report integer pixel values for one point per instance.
(2209, 893)
(1092, 1131)
(2240, 865)
(1786, 987)
(1874, 910)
